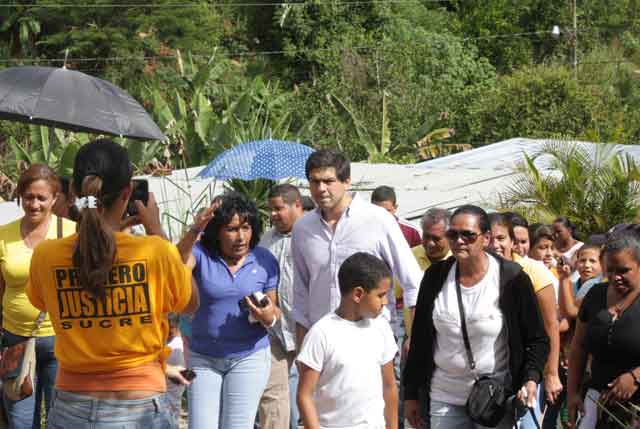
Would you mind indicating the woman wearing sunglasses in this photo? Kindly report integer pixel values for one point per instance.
(497, 297)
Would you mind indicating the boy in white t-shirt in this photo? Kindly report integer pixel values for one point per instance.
(346, 362)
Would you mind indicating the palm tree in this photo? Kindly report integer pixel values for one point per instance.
(595, 189)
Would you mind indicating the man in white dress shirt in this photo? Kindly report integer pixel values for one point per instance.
(342, 225)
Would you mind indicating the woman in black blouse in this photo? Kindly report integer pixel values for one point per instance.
(607, 329)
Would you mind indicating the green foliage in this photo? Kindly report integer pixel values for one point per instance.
(379, 80)
(484, 20)
(533, 102)
(256, 191)
(594, 190)
(53, 147)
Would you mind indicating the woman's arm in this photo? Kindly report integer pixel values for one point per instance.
(548, 310)
(569, 306)
(306, 387)
(577, 366)
(193, 233)
(390, 394)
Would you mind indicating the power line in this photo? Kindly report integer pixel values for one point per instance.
(225, 4)
(253, 53)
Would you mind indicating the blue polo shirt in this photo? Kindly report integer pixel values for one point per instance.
(220, 328)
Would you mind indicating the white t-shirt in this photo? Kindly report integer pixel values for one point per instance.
(452, 379)
(349, 356)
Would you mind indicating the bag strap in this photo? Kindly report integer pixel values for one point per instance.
(463, 323)
(59, 227)
(39, 320)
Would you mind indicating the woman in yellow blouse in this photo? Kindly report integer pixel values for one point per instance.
(37, 190)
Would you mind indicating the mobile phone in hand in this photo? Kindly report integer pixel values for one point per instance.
(188, 374)
(140, 192)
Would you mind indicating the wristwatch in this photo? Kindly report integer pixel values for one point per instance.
(636, 380)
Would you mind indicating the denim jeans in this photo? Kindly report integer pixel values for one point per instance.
(226, 392)
(75, 411)
(27, 413)
(447, 416)
(293, 392)
(528, 422)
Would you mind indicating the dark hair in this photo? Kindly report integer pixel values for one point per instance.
(588, 247)
(468, 209)
(364, 270)
(569, 225)
(65, 185)
(37, 172)
(102, 170)
(623, 242)
(502, 219)
(289, 193)
(307, 203)
(539, 231)
(517, 220)
(383, 193)
(327, 158)
(233, 204)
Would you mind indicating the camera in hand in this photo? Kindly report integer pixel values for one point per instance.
(188, 374)
(258, 299)
(140, 192)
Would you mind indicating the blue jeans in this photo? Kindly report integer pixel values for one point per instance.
(447, 416)
(27, 412)
(226, 392)
(527, 421)
(293, 392)
(75, 411)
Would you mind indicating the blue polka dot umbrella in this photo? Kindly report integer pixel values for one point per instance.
(262, 159)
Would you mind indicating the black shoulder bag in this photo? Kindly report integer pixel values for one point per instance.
(487, 402)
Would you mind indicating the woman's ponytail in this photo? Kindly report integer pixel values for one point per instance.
(95, 250)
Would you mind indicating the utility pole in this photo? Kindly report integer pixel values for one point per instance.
(575, 37)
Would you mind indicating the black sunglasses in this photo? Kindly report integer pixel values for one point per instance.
(467, 236)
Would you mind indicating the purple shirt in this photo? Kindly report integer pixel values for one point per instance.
(220, 328)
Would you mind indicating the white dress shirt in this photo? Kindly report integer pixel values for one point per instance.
(280, 245)
(318, 252)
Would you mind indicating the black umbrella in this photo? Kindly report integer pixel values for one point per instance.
(71, 100)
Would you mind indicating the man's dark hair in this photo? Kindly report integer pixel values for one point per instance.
(517, 220)
(327, 158)
(364, 270)
(383, 193)
(289, 193)
(469, 209)
(233, 204)
(307, 203)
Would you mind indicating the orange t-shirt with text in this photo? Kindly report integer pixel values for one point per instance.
(129, 327)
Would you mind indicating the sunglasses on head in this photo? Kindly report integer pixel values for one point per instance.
(467, 236)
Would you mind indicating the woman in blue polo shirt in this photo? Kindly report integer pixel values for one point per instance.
(229, 350)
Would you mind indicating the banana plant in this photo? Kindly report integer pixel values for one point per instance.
(25, 27)
(50, 146)
(430, 146)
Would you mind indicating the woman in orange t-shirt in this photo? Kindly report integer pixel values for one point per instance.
(108, 294)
